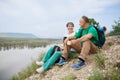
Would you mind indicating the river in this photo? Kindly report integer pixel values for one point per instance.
(14, 60)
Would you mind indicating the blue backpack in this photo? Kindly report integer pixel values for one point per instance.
(101, 36)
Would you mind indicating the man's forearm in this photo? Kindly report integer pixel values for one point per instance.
(71, 37)
(84, 38)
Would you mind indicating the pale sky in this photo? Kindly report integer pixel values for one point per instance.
(48, 18)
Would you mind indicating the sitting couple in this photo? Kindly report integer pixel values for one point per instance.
(83, 42)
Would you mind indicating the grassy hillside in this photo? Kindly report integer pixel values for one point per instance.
(105, 65)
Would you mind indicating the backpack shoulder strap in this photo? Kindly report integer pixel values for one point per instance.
(97, 32)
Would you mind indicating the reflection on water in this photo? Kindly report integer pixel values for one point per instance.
(14, 60)
(20, 47)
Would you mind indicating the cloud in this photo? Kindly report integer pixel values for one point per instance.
(38, 8)
(39, 16)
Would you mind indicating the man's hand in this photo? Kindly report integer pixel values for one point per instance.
(72, 42)
(68, 39)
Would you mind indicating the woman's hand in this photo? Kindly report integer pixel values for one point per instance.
(66, 40)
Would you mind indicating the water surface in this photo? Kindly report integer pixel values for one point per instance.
(14, 60)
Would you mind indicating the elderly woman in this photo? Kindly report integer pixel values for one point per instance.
(54, 53)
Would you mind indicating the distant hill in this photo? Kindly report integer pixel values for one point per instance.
(18, 35)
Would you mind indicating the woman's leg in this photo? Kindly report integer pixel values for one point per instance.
(52, 60)
(48, 54)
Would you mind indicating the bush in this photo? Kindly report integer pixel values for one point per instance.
(96, 75)
(116, 28)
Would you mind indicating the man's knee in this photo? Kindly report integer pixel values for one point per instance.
(75, 45)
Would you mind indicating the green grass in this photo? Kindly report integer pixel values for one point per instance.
(110, 43)
(117, 65)
(69, 76)
(74, 56)
(96, 75)
(28, 71)
(100, 60)
(112, 74)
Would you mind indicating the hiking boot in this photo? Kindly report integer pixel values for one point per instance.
(78, 65)
(61, 62)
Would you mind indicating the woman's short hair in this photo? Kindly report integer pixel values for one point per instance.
(71, 23)
(85, 18)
